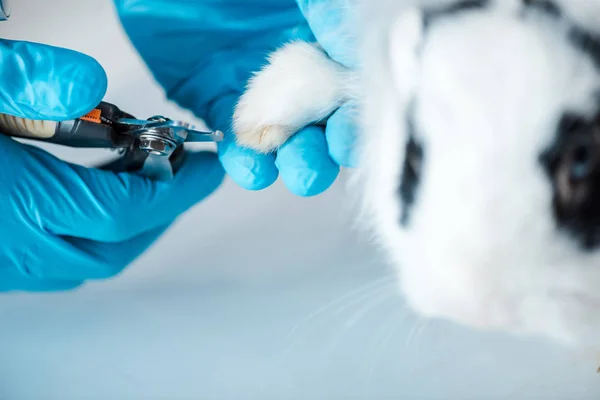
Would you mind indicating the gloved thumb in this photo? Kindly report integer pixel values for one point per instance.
(333, 23)
(45, 82)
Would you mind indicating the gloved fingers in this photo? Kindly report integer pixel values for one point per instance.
(248, 169)
(68, 259)
(44, 82)
(333, 24)
(341, 135)
(304, 163)
(110, 207)
(12, 279)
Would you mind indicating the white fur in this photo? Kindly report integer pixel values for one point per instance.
(297, 87)
(489, 88)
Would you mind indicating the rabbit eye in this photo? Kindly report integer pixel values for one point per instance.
(573, 166)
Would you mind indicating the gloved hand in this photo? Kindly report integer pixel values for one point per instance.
(203, 52)
(63, 224)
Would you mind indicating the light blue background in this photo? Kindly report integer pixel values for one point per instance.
(207, 313)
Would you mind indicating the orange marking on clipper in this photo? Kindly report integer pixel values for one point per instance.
(93, 116)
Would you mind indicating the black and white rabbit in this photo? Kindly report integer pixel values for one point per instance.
(480, 152)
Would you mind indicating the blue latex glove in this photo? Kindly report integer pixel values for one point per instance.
(63, 224)
(203, 52)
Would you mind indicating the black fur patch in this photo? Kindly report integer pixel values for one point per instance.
(547, 6)
(588, 42)
(411, 173)
(461, 6)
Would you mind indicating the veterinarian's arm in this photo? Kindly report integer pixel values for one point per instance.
(203, 53)
(63, 224)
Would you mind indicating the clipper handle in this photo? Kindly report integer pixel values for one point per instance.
(92, 130)
(27, 128)
(73, 133)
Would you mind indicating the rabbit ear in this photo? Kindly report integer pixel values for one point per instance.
(391, 36)
(404, 40)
